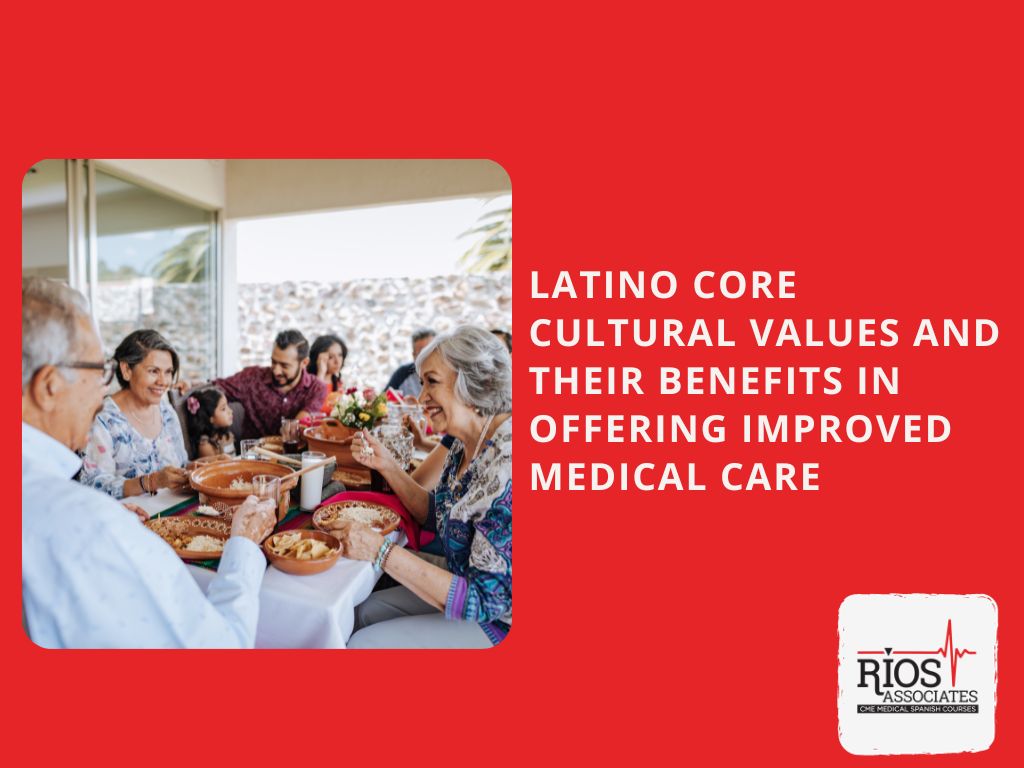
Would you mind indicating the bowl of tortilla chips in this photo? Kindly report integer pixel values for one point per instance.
(302, 553)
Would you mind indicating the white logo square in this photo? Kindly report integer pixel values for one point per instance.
(917, 674)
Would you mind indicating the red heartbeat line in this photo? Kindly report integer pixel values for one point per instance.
(948, 650)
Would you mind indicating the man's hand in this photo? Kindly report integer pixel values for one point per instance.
(254, 519)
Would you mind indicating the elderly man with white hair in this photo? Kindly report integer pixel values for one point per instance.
(92, 576)
(467, 393)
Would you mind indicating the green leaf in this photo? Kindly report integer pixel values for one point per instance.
(492, 250)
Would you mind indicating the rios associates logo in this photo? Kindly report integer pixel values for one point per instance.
(915, 686)
(917, 673)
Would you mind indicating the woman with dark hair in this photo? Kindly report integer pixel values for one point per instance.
(209, 423)
(326, 359)
(136, 445)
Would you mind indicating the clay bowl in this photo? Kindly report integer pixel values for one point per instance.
(213, 482)
(170, 528)
(333, 439)
(384, 523)
(206, 460)
(304, 567)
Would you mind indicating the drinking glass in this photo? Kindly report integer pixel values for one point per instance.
(266, 487)
(398, 440)
(312, 482)
(417, 414)
(290, 435)
(398, 411)
(249, 449)
(394, 413)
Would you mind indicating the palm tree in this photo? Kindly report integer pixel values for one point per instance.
(124, 272)
(492, 251)
(186, 261)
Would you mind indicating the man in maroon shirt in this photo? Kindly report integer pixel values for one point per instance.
(284, 390)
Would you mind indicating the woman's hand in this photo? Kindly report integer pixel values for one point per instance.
(142, 514)
(181, 386)
(254, 519)
(358, 541)
(368, 451)
(321, 366)
(168, 477)
(419, 439)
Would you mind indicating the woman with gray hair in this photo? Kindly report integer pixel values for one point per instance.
(467, 392)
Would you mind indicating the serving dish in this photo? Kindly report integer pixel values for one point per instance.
(171, 529)
(352, 479)
(333, 438)
(273, 443)
(298, 567)
(382, 519)
(213, 482)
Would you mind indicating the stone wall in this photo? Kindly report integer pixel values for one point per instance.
(179, 311)
(375, 317)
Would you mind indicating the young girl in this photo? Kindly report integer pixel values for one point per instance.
(209, 419)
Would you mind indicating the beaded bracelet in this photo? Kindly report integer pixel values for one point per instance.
(382, 553)
(386, 556)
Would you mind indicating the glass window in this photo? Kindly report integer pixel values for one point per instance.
(44, 221)
(155, 265)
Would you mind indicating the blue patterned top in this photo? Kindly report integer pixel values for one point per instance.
(117, 452)
(473, 520)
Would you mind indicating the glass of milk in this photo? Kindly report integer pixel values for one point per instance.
(312, 482)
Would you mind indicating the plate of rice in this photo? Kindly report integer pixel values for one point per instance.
(377, 516)
(192, 538)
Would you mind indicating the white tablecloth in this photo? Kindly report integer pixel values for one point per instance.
(309, 611)
(298, 611)
(165, 498)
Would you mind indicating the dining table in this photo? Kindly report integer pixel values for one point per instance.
(314, 611)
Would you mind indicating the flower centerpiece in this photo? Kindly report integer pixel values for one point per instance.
(360, 409)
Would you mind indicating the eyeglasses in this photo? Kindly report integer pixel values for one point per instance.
(107, 367)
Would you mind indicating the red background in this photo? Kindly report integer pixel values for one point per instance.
(874, 149)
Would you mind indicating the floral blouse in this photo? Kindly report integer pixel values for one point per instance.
(117, 452)
(473, 519)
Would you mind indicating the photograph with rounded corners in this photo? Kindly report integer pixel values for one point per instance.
(266, 403)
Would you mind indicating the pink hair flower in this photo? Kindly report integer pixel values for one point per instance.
(193, 405)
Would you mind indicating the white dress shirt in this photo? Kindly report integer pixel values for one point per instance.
(94, 577)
